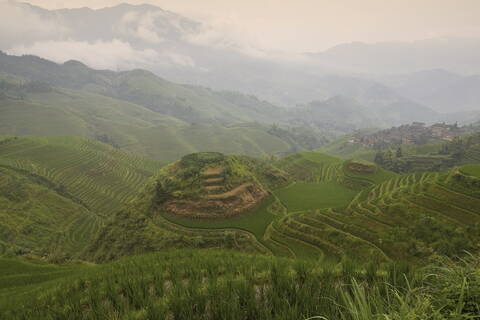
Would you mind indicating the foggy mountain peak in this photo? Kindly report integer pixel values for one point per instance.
(184, 50)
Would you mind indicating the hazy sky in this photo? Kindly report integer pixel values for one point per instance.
(312, 25)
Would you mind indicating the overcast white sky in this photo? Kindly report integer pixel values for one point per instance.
(313, 25)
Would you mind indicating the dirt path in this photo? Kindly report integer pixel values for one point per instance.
(230, 193)
(215, 171)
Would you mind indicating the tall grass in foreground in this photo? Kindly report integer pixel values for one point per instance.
(225, 285)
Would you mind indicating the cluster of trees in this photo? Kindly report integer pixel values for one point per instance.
(106, 139)
(450, 154)
(426, 236)
(299, 137)
(391, 160)
(459, 147)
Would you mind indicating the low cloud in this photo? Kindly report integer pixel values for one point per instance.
(19, 24)
(141, 25)
(115, 54)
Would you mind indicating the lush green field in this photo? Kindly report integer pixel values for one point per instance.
(406, 218)
(20, 279)
(303, 196)
(471, 169)
(225, 285)
(376, 213)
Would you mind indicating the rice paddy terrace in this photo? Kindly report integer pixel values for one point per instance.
(333, 208)
(209, 185)
(55, 193)
(37, 218)
(320, 182)
(314, 181)
(405, 218)
(307, 205)
(102, 177)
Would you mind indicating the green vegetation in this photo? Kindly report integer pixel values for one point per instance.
(345, 148)
(431, 157)
(56, 192)
(375, 213)
(256, 221)
(407, 218)
(215, 235)
(39, 218)
(333, 207)
(352, 226)
(139, 112)
(472, 170)
(218, 284)
(102, 177)
(24, 280)
(130, 127)
(303, 196)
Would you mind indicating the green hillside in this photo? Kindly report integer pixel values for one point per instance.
(341, 220)
(102, 177)
(307, 205)
(40, 218)
(56, 192)
(129, 126)
(141, 87)
(169, 223)
(408, 157)
(343, 147)
(203, 200)
(406, 218)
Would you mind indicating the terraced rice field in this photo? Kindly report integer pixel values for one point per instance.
(472, 170)
(313, 167)
(362, 227)
(473, 154)
(255, 222)
(323, 189)
(103, 177)
(36, 218)
(303, 196)
(323, 182)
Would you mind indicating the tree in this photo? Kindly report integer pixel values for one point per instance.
(379, 158)
(399, 153)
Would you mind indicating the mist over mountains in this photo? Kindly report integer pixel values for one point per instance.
(402, 81)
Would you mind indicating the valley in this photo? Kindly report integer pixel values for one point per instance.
(306, 202)
(213, 160)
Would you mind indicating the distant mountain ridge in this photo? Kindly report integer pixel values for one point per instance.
(183, 50)
(439, 89)
(459, 55)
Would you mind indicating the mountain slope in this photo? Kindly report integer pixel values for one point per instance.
(376, 107)
(453, 54)
(461, 95)
(102, 177)
(406, 218)
(187, 103)
(33, 107)
(40, 218)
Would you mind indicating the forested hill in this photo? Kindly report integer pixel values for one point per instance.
(139, 112)
(185, 102)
